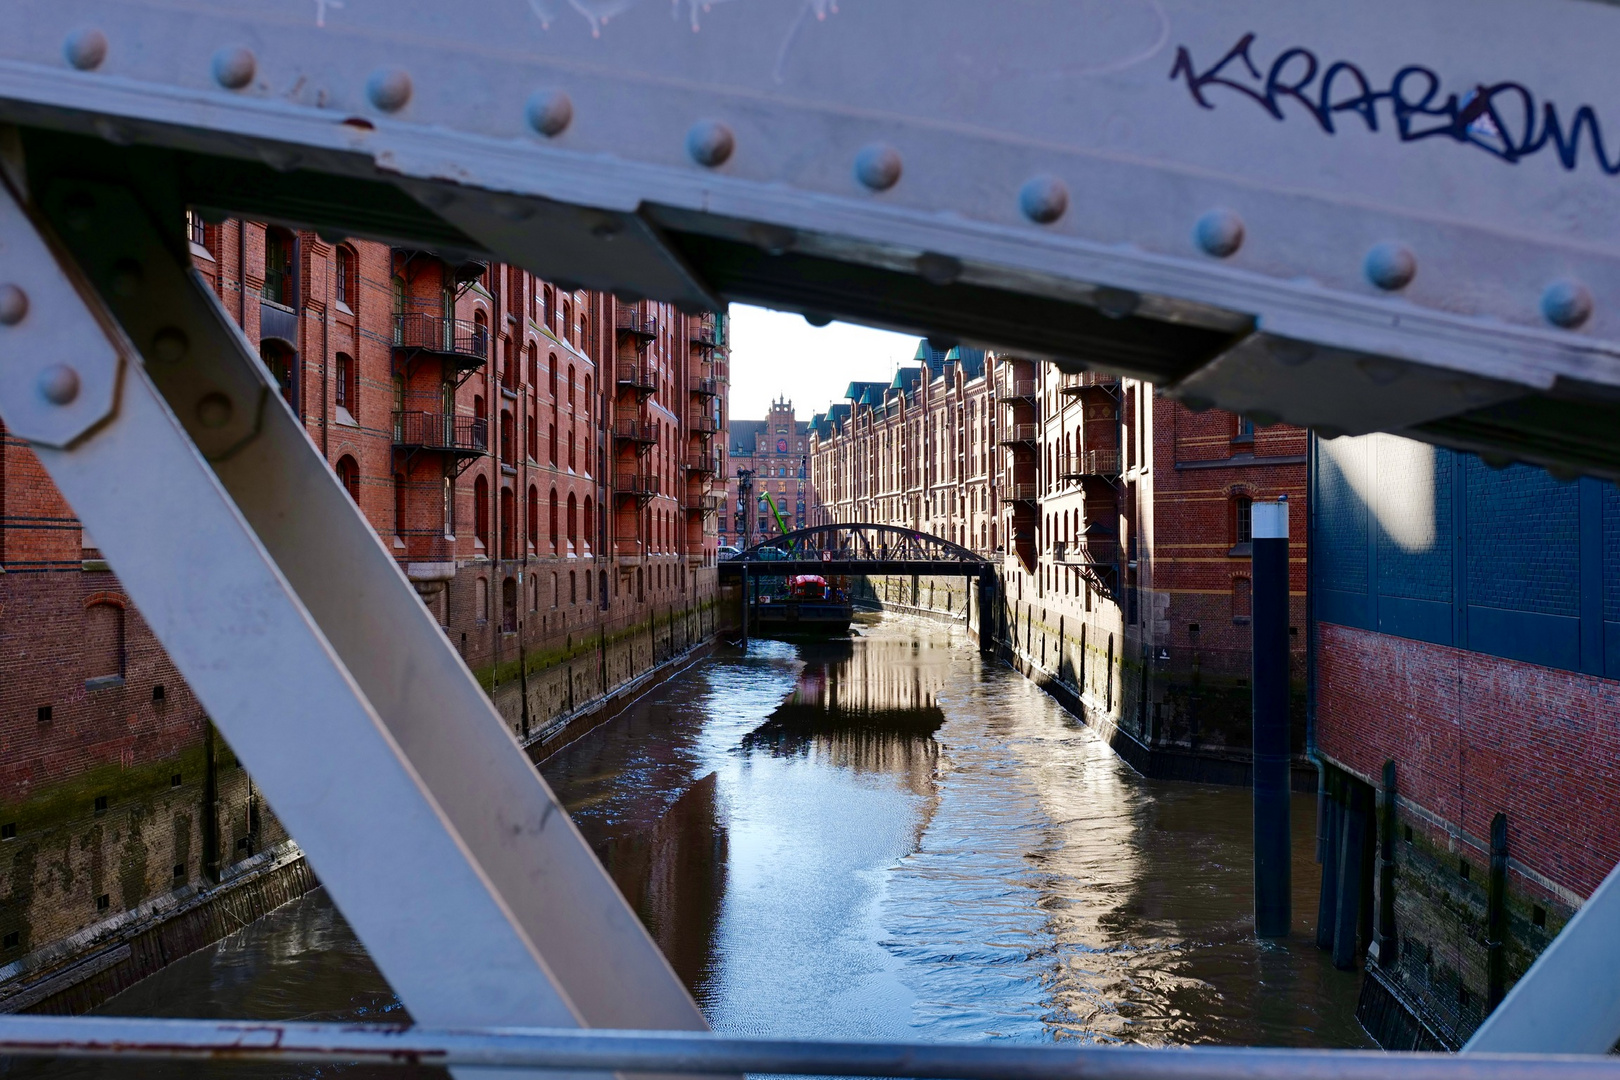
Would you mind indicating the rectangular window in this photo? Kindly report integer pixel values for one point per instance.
(341, 283)
(342, 381)
(1245, 521)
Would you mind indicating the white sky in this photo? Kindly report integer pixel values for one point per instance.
(777, 354)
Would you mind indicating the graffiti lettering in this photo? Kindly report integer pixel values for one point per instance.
(1503, 119)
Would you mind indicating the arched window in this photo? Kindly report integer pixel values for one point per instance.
(570, 386)
(348, 384)
(399, 304)
(534, 592)
(551, 440)
(554, 521)
(481, 511)
(509, 606)
(1242, 520)
(346, 282)
(552, 377)
(534, 518)
(590, 523)
(281, 360)
(508, 438)
(567, 327)
(572, 461)
(348, 471)
(278, 266)
(573, 588)
(104, 640)
(508, 523)
(601, 588)
(534, 366)
(555, 595)
(587, 399)
(573, 523)
(534, 436)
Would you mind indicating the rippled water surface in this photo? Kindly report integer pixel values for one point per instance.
(880, 838)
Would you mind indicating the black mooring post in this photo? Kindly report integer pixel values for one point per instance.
(1269, 589)
(745, 607)
(989, 604)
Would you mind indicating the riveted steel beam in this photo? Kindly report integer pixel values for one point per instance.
(1295, 211)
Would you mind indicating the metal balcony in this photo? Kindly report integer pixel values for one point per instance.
(639, 377)
(703, 424)
(633, 320)
(702, 464)
(1008, 491)
(1091, 465)
(638, 486)
(464, 343)
(462, 435)
(635, 430)
(1081, 381)
(1020, 433)
(1096, 551)
(1019, 390)
(704, 332)
(706, 387)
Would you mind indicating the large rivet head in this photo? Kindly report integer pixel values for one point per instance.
(214, 410)
(1390, 266)
(1219, 233)
(127, 277)
(878, 166)
(170, 345)
(937, 269)
(85, 49)
(389, 88)
(13, 305)
(59, 384)
(1043, 199)
(549, 112)
(1566, 303)
(710, 143)
(234, 66)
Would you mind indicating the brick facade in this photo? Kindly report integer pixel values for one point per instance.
(541, 463)
(1115, 517)
(774, 453)
(1462, 640)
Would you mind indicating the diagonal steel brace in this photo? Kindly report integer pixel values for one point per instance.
(454, 863)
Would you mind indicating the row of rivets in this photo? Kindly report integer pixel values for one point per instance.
(59, 383)
(1391, 266)
(1043, 199)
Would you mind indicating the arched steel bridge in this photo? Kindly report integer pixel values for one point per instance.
(857, 548)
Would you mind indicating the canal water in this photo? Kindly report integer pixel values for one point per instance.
(882, 837)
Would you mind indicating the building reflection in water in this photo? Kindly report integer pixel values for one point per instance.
(869, 708)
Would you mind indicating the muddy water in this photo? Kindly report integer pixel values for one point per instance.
(880, 838)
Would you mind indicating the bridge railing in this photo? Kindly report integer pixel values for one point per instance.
(699, 1052)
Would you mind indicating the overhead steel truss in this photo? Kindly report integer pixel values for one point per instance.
(1371, 216)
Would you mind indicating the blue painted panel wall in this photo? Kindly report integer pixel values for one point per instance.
(1419, 542)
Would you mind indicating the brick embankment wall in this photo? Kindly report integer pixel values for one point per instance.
(1472, 736)
(1083, 660)
(82, 972)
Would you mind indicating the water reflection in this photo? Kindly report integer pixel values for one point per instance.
(878, 838)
